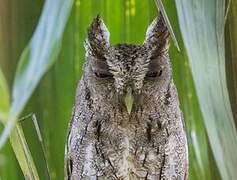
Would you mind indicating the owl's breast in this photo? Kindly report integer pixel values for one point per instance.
(149, 144)
(139, 147)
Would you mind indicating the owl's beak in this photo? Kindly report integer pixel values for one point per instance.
(129, 99)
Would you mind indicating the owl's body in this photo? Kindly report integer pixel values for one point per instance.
(108, 141)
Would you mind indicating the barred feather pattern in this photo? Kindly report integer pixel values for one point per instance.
(149, 145)
(104, 141)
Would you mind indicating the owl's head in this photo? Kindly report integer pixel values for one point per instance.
(127, 71)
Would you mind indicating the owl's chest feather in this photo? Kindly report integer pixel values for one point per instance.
(150, 144)
(132, 150)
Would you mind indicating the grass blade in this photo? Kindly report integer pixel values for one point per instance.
(23, 154)
(4, 99)
(36, 125)
(160, 7)
(37, 57)
(202, 26)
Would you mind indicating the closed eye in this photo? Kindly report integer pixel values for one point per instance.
(103, 75)
(153, 74)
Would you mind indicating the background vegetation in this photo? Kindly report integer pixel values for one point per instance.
(209, 126)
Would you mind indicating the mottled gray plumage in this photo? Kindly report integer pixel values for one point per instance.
(105, 141)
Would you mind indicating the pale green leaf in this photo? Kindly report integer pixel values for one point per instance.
(38, 56)
(4, 98)
(202, 26)
(161, 8)
(22, 153)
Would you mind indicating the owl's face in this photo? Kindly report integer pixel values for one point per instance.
(127, 74)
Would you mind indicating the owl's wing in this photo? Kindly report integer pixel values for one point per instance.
(77, 139)
(67, 159)
(74, 143)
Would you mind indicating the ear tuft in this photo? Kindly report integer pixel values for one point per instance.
(157, 37)
(98, 38)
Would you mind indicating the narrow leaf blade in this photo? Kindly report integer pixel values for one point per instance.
(202, 26)
(160, 7)
(38, 56)
(23, 154)
(4, 98)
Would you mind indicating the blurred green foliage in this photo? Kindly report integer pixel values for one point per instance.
(53, 99)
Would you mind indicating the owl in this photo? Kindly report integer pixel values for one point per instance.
(126, 123)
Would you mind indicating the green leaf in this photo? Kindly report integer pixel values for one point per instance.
(202, 26)
(38, 56)
(231, 53)
(161, 8)
(4, 98)
(22, 153)
(36, 59)
(41, 52)
(199, 166)
(54, 98)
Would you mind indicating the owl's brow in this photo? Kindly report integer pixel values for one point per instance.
(100, 65)
(154, 64)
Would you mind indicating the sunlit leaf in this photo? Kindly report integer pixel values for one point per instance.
(202, 26)
(38, 56)
(23, 154)
(162, 10)
(4, 98)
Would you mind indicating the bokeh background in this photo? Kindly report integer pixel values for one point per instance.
(53, 99)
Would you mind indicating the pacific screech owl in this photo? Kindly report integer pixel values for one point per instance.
(126, 122)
